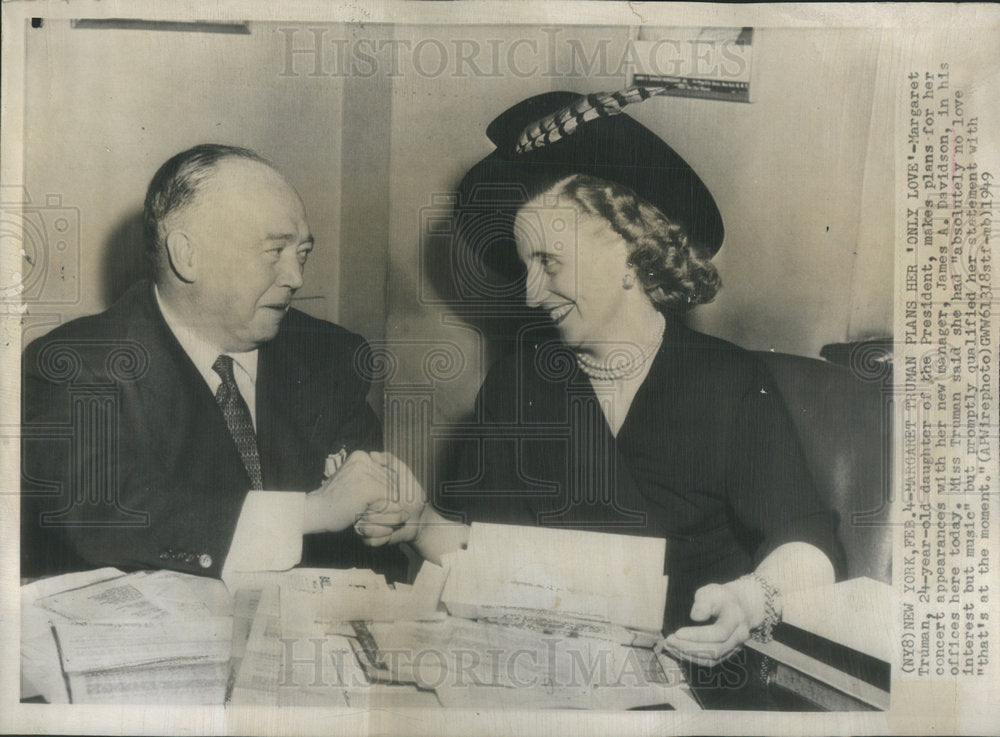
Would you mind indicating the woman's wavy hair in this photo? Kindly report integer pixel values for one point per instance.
(676, 272)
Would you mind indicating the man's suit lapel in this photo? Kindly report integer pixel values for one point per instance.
(286, 417)
(176, 408)
(179, 414)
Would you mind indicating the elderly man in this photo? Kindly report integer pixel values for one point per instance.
(151, 430)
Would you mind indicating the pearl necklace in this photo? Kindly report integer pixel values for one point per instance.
(621, 365)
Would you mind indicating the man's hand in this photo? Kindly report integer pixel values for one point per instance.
(731, 606)
(360, 484)
(397, 520)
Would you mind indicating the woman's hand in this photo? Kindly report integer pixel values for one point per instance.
(360, 483)
(407, 517)
(731, 607)
(397, 518)
(743, 605)
(386, 522)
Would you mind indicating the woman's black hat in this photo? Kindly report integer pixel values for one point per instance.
(548, 137)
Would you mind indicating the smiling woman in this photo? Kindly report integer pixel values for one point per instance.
(603, 264)
(572, 269)
(630, 422)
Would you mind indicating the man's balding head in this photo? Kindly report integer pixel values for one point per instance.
(231, 241)
(176, 185)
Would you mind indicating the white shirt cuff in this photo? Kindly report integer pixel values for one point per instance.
(268, 533)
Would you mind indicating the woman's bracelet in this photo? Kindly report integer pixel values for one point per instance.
(763, 632)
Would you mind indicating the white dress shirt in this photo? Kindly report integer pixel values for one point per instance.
(268, 533)
(203, 354)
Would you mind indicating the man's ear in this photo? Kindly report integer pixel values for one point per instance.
(181, 253)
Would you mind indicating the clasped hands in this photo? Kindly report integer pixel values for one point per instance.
(375, 492)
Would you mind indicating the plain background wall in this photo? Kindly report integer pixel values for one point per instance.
(788, 173)
(106, 107)
(802, 175)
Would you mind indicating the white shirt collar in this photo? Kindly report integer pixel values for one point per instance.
(203, 353)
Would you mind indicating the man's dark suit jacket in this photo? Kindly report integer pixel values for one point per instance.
(127, 460)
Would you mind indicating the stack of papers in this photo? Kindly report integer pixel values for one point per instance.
(292, 643)
(257, 648)
(313, 599)
(146, 638)
(179, 662)
(540, 618)
(41, 671)
(476, 664)
(580, 583)
(524, 617)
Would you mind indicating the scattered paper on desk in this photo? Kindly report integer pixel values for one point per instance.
(379, 603)
(478, 664)
(333, 697)
(41, 672)
(107, 645)
(169, 638)
(152, 637)
(140, 596)
(170, 685)
(384, 696)
(601, 699)
(315, 600)
(598, 577)
(32, 592)
(245, 603)
(322, 671)
(259, 674)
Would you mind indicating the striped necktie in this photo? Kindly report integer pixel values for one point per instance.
(237, 415)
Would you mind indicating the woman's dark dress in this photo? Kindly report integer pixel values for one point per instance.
(707, 458)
